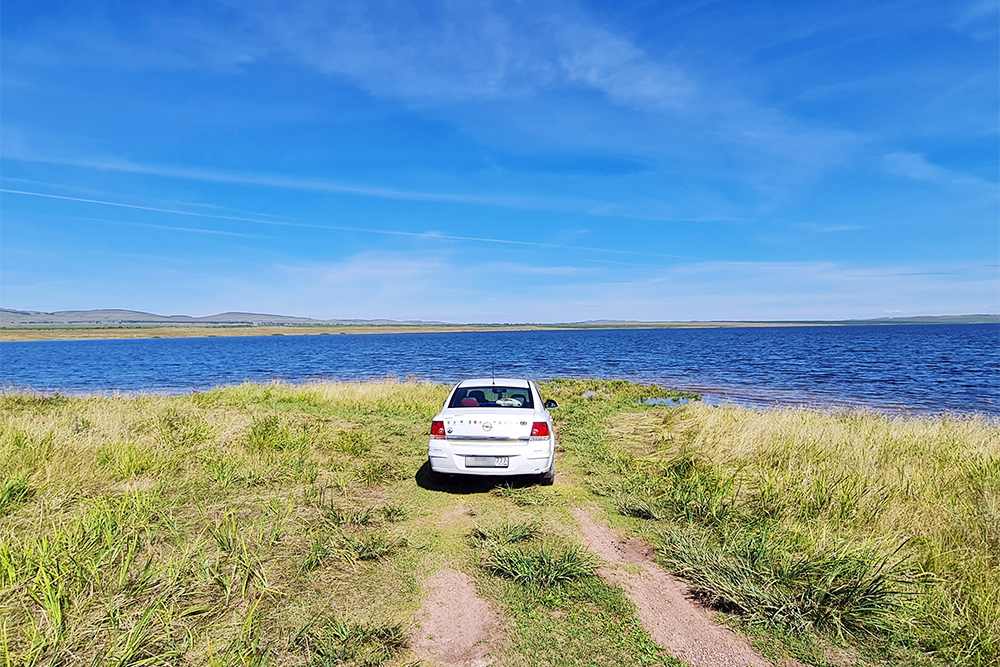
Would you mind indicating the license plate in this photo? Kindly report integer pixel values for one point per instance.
(487, 461)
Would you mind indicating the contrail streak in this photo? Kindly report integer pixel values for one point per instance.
(338, 228)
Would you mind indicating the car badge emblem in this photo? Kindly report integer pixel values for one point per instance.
(487, 426)
(450, 430)
(524, 423)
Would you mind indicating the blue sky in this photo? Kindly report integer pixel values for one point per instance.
(503, 162)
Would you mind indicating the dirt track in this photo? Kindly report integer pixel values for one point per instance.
(672, 619)
(455, 625)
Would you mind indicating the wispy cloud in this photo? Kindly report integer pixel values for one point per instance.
(644, 211)
(467, 51)
(915, 166)
(148, 225)
(978, 18)
(485, 137)
(828, 228)
(428, 235)
(450, 59)
(694, 291)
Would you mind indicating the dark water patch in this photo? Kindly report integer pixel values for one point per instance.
(917, 368)
(669, 402)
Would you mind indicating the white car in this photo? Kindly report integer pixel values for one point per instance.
(493, 426)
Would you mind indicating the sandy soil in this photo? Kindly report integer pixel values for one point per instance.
(456, 626)
(673, 620)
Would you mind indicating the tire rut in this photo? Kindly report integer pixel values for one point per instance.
(455, 627)
(673, 620)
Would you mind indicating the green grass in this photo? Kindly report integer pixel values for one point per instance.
(580, 621)
(206, 529)
(846, 527)
(544, 566)
(341, 642)
(770, 578)
(506, 533)
(272, 525)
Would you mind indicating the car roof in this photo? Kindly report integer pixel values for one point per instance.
(502, 382)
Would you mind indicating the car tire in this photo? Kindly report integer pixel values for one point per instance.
(549, 476)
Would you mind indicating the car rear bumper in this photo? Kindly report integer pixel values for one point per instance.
(525, 458)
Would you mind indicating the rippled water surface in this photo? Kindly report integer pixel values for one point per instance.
(922, 368)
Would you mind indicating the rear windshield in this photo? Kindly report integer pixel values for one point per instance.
(491, 397)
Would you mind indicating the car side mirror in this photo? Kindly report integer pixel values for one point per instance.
(550, 404)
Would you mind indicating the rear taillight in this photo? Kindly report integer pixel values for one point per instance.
(437, 431)
(539, 431)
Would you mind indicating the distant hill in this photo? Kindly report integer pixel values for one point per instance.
(134, 318)
(931, 319)
(917, 319)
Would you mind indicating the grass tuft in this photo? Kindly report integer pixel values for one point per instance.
(394, 513)
(176, 429)
(270, 433)
(545, 566)
(355, 442)
(343, 642)
(524, 496)
(376, 471)
(14, 491)
(337, 517)
(126, 459)
(638, 508)
(765, 576)
(506, 533)
(350, 549)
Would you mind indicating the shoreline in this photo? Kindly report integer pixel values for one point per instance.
(70, 332)
(18, 334)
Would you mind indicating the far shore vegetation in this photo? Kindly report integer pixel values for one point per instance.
(271, 524)
(78, 332)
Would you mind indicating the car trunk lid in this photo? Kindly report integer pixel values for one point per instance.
(489, 424)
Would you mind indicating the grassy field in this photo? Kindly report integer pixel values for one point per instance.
(279, 525)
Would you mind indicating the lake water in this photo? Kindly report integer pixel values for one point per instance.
(914, 368)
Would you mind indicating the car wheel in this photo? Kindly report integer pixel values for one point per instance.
(549, 476)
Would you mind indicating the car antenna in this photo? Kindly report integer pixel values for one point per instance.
(493, 371)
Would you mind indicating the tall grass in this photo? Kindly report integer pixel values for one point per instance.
(853, 523)
(929, 487)
(150, 530)
(766, 576)
(209, 529)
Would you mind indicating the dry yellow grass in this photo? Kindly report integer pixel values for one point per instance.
(216, 528)
(12, 334)
(929, 486)
(178, 530)
(918, 476)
